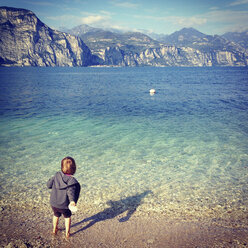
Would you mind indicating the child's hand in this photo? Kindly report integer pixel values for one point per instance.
(72, 203)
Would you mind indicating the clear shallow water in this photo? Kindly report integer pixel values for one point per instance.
(187, 144)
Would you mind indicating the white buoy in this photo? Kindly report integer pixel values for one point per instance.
(152, 92)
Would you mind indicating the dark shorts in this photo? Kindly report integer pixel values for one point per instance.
(58, 212)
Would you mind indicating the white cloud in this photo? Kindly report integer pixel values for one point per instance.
(214, 8)
(227, 16)
(106, 13)
(125, 4)
(238, 2)
(228, 20)
(94, 19)
(178, 20)
(103, 19)
(63, 18)
(187, 21)
(215, 21)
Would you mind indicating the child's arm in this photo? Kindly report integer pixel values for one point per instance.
(71, 192)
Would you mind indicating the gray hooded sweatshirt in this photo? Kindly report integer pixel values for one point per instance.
(65, 189)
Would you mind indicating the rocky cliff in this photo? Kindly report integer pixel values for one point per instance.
(168, 56)
(135, 49)
(26, 41)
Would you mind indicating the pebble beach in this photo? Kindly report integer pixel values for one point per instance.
(121, 224)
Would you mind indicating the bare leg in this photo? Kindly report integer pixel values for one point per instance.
(67, 227)
(55, 224)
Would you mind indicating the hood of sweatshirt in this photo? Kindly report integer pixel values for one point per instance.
(62, 181)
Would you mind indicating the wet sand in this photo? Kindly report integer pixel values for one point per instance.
(29, 226)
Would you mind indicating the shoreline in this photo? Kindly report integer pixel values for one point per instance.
(29, 226)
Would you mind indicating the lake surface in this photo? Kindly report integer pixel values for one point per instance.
(182, 150)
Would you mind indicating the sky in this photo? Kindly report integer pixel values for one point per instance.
(157, 16)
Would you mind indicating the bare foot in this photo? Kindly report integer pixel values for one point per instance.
(67, 235)
(55, 231)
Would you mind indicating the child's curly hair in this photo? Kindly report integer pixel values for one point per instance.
(68, 165)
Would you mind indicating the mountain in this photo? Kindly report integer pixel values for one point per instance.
(184, 37)
(26, 41)
(240, 38)
(190, 37)
(115, 48)
(99, 38)
(187, 47)
(81, 30)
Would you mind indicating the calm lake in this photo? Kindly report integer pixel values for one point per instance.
(186, 146)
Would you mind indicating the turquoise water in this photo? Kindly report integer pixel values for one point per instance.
(187, 144)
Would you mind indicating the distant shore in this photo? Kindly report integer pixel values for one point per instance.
(30, 226)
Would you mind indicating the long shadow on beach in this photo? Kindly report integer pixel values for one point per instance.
(116, 208)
